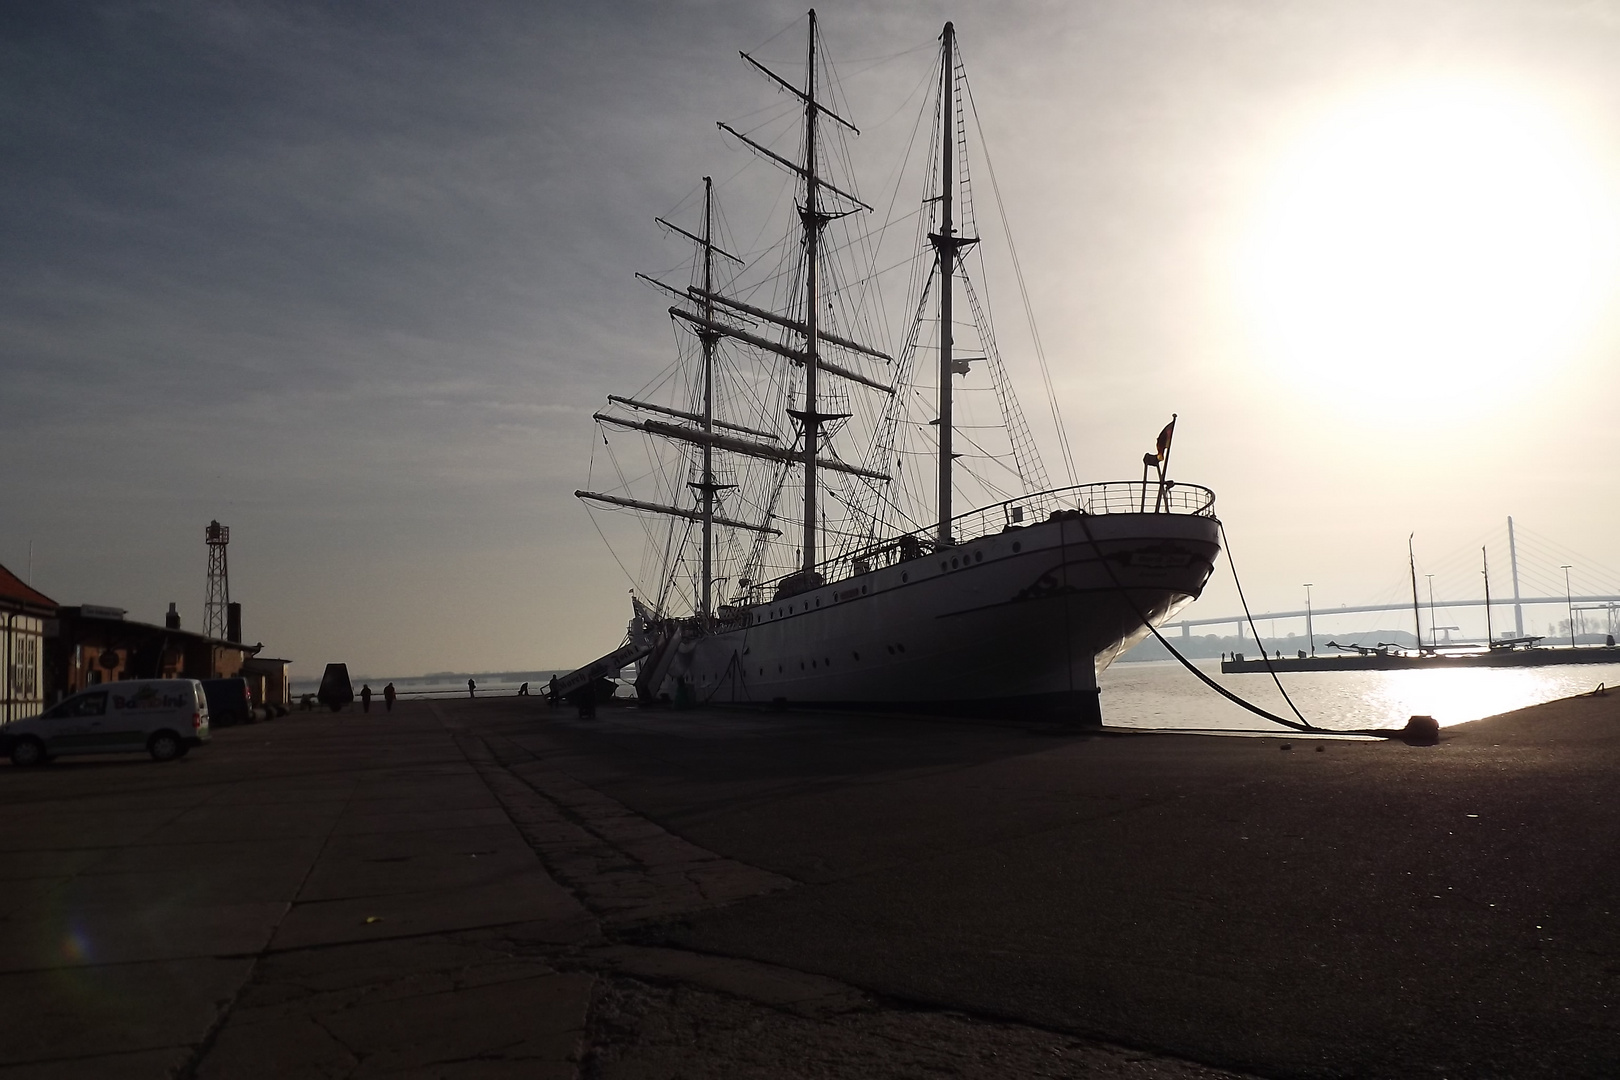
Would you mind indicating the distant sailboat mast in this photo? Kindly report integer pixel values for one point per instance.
(1417, 616)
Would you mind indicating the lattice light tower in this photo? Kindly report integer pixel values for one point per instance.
(218, 602)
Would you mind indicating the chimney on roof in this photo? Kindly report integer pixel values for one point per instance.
(171, 621)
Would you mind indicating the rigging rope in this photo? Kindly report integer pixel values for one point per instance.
(1023, 290)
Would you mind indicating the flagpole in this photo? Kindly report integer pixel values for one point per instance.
(1164, 466)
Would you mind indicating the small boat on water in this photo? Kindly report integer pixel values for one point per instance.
(801, 480)
(1504, 652)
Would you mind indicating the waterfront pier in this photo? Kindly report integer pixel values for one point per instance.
(492, 887)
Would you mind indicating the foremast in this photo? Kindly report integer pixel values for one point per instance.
(709, 339)
(712, 321)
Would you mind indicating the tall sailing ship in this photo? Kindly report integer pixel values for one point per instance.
(797, 480)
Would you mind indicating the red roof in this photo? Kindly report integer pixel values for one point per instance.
(13, 589)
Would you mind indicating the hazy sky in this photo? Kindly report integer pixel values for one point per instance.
(352, 277)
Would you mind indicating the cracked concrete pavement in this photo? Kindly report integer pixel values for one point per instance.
(491, 888)
(414, 893)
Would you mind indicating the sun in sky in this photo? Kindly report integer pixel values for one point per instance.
(1429, 245)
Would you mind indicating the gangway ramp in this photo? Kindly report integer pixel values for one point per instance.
(603, 667)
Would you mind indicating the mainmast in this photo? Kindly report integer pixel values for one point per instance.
(712, 315)
(813, 222)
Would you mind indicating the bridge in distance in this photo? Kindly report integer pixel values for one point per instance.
(1186, 625)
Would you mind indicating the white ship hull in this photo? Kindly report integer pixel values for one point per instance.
(1022, 619)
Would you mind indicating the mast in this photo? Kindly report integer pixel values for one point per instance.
(708, 338)
(1417, 618)
(1513, 559)
(812, 235)
(945, 245)
(712, 316)
(1485, 564)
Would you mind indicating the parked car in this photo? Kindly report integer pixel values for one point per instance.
(229, 702)
(164, 717)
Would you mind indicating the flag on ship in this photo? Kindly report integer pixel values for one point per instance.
(1165, 436)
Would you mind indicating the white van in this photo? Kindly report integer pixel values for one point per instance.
(164, 717)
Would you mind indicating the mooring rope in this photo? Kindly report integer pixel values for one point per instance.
(1297, 725)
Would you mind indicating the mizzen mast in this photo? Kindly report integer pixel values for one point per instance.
(947, 245)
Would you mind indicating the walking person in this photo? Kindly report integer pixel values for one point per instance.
(523, 691)
(388, 697)
(472, 688)
(365, 698)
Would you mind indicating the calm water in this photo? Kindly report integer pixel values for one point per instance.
(444, 684)
(1164, 694)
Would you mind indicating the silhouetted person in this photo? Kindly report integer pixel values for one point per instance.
(388, 697)
(472, 688)
(365, 698)
(523, 691)
(553, 694)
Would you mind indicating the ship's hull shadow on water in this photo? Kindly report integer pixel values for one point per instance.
(1021, 620)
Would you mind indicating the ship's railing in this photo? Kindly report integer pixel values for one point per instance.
(1111, 497)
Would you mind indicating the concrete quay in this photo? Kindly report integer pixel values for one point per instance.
(492, 888)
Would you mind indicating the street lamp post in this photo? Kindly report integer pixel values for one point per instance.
(1569, 603)
(1310, 631)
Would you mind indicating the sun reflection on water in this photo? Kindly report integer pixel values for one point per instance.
(1162, 694)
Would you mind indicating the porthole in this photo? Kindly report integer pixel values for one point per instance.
(890, 648)
(812, 664)
(863, 590)
(818, 601)
(905, 577)
(856, 655)
(953, 563)
(978, 556)
(1017, 546)
(828, 661)
(902, 648)
(801, 665)
(779, 669)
